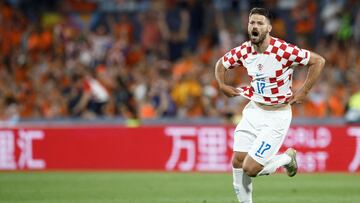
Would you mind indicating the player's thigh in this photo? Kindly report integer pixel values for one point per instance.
(244, 136)
(245, 132)
(243, 140)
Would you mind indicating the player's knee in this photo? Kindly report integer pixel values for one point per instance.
(250, 171)
(236, 163)
(238, 159)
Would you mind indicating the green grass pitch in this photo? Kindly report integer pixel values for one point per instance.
(155, 187)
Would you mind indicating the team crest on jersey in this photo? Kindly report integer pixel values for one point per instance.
(260, 67)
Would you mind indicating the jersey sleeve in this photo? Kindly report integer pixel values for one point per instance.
(299, 56)
(232, 58)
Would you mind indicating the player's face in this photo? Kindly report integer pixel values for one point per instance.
(258, 28)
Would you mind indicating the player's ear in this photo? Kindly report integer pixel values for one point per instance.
(269, 28)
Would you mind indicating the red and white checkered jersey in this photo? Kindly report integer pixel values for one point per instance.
(270, 72)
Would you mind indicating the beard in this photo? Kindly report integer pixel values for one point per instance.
(256, 37)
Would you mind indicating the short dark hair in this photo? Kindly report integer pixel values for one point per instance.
(261, 11)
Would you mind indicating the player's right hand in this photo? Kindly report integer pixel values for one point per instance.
(229, 90)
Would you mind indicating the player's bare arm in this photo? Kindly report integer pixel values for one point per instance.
(316, 64)
(220, 77)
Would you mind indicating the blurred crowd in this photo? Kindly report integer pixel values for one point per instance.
(155, 59)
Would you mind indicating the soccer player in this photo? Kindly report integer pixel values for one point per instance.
(269, 62)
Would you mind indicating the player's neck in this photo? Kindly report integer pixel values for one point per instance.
(261, 47)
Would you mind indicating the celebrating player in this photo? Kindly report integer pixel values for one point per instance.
(269, 62)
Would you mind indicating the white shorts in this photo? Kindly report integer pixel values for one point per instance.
(261, 132)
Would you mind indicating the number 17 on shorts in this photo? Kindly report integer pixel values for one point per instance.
(262, 149)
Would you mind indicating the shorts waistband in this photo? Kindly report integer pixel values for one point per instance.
(272, 107)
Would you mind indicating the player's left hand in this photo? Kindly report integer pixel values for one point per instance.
(298, 97)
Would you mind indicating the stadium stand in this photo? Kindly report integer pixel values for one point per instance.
(155, 59)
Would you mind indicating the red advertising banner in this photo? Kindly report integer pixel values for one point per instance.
(171, 148)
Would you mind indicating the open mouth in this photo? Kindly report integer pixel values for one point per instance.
(255, 33)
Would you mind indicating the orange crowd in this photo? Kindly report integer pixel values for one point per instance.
(158, 62)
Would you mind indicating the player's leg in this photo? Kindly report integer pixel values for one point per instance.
(244, 137)
(242, 183)
(279, 124)
(262, 158)
(253, 168)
